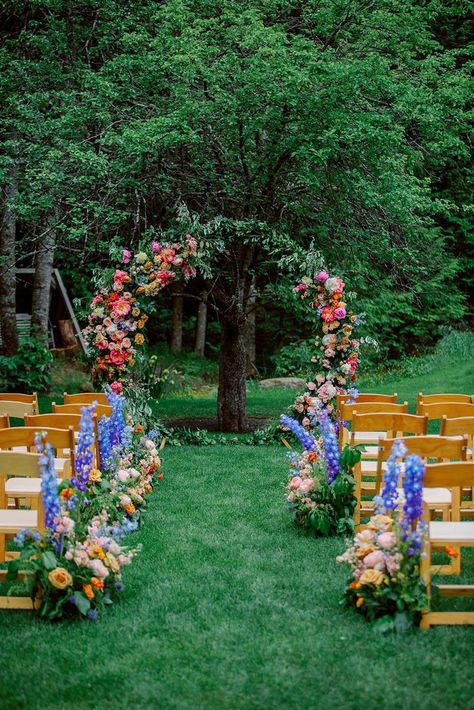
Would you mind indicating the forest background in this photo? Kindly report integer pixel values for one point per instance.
(270, 129)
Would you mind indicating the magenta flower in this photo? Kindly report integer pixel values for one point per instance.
(126, 256)
(322, 276)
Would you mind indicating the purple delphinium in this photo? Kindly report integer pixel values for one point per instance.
(84, 453)
(117, 418)
(330, 445)
(49, 483)
(304, 437)
(391, 476)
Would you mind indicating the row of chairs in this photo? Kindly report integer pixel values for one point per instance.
(376, 421)
(18, 405)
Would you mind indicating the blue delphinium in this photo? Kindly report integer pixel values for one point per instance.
(413, 488)
(105, 449)
(391, 477)
(84, 452)
(330, 445)
(117, 418)
(49, 483)
(25, 535)
(304, 437)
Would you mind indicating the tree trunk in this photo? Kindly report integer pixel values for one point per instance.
(8, 327)
(176, 340)
(201, 326)
(231, 394)
(251, 330)
(44, 260)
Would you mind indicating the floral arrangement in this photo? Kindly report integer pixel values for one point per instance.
(337, 355)
(76, 566)
(385, 584)
(320, 488)
(119, 313)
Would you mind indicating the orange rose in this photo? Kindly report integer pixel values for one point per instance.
(66, 493)
(139, 339)
(88, 591)
(97, 583)
(130, 509)
(452, 552)
(138, 429)
(60, 578)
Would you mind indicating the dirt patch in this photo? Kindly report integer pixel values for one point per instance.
(210, 423)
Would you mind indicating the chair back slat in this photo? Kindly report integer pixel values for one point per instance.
(61, 440)
(53, 421)
(347, 410)
(20, 397)
(438, 398)
(390, 422)
(428, 447)
(100, 410)
(17, 409)
(85, 398)
(4, 421)
(15, 463)
(448, 409)
(458, 474)
(366, 397)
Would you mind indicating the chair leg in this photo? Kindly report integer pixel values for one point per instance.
(2, 547)
(425, 574)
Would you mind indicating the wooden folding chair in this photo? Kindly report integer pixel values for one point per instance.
(440, 398)
(86, 398)
(63, 421)
(375, 426)
(431, 449)
(31, 399)
(100, 410)
(366, 397)
(446, 409)
(61, 440)
(458, 427)
(17, 409)
(441, 534)
(347, 411)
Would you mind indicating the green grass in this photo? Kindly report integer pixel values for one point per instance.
(229, 606)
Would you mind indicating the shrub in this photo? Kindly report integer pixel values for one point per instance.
(28, 370)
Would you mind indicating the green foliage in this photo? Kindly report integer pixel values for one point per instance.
(27, 371)
(293, 359)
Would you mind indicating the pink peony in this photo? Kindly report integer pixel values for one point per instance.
(300, 287)
(340, 313)
(295, 483)
(116, 387)
(155, 247)
(386, 540)
(322, 276)
(126, 256)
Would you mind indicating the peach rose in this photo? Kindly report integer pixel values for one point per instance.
(60, 578)
(372, 576)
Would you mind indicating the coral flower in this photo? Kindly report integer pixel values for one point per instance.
(88, 591)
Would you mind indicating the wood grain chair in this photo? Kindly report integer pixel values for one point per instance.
(61, 440)
(439, 398)
(366, 397)
(100, 410)
(64, 421)
(441, 534)
(30, 399)
(451, 410)
(370, 427)
(86, 398)
(460, 426)
(347, 411)
(14, 464)
(17, 409)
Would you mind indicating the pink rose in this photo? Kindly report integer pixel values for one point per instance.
(386, 540)
(300, 287)
(320, 379)
(155, 247)
(340, 313)
(116, 387)
(311, 386)
(375, 560)
(295, 483)
(322, 276)
(307, 485)
(126, 256)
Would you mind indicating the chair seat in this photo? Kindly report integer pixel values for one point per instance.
(24, 486)
(437, 496)
(369, 435)
(452, 533)
(12, 521)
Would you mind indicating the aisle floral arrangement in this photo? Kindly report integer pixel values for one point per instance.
(336, 358)
(320, 488)
(119, 312)
(76, 566)
(385, 584)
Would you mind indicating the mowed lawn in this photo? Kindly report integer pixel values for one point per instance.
(229, 606)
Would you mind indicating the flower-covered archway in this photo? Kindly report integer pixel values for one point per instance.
(119, 312)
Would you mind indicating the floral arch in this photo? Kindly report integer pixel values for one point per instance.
(119, 312)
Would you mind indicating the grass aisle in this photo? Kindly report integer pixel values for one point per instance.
(229, 606)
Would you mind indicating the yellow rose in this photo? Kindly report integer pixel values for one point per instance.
(60, 578)
(380, 522)
(372, 576)
(111, 562)
(139, 339)
(364, 550)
